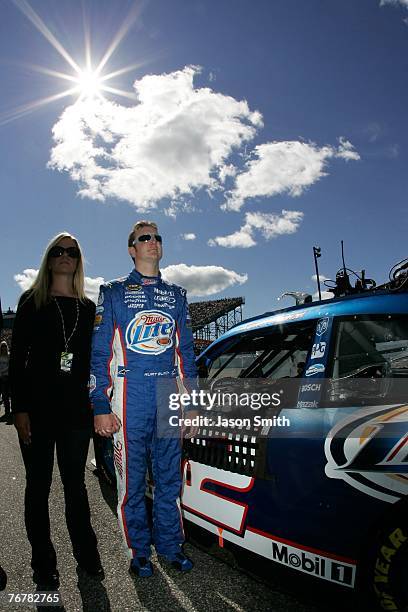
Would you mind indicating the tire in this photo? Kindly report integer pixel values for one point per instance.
(388, 570)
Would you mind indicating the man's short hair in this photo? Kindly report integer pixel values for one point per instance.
(139, 225)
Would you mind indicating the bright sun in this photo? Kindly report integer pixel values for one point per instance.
(89, 84)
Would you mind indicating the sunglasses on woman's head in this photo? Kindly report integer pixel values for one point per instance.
(147, 237)
(58, 251)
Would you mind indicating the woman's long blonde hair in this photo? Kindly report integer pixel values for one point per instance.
(40, 289)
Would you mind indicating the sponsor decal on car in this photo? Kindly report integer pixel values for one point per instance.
(150, 332)
(318, 350)
(322, 327)
(216, 511)
(101, 297)
(369, 451)
(317, 368)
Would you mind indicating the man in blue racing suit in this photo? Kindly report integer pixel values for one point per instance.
(143, 350)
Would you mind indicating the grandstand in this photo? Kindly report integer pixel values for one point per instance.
(212, 318)
(8, 320)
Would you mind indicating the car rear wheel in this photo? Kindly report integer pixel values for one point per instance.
(388, 570)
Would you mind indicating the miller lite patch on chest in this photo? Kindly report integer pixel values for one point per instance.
(150, 332)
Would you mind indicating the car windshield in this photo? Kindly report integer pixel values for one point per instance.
(368, 344)
(280, 352)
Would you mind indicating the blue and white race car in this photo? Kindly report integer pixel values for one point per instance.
(321, 485)
(317, 481)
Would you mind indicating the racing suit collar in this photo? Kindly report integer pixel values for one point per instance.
(137, 277)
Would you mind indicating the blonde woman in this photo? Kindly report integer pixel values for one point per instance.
(49, 373)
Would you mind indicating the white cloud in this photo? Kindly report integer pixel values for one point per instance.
(92, 287)
(28, 276)
(268, 224)
(202, 280)
(346, 150)
(374, 131)
(177, 207)
(198, 280)
(284, 167)
(321, 276)
(174, 141)
(326, 295)
(189, 236)
(394, 2)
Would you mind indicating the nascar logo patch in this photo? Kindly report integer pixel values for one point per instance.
(150, 332)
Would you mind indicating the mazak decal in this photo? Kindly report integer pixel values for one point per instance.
(318, 350)
(369, 450)
(150, 332)
(322, 327)
(317, 368)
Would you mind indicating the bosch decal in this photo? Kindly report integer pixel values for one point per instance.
(150, 332)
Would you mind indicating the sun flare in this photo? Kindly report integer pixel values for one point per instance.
(89, 84)
(85, 83)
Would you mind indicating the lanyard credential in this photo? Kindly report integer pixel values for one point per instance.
(66, 357)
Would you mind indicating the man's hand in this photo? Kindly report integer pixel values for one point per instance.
(106, 424)
(190, 431)
(23, 426)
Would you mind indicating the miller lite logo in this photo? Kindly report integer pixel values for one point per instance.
(369, 450)
(150, 332)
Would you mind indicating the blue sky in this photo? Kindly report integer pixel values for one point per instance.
(260, 128)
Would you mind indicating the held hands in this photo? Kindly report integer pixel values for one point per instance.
(190, 431)
(23, 426)
(106, 424)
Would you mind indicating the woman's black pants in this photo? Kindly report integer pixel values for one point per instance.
(72, 450)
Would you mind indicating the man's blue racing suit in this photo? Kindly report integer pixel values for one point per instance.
(142, 349)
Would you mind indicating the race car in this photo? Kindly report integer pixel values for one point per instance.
(317, 479)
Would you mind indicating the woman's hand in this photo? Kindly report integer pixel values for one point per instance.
(106, 424)
(23, 426)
